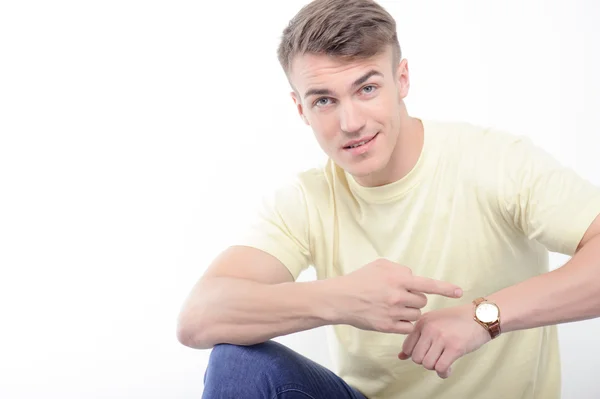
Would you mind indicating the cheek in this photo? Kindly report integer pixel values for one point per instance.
(325, 128)
(384, 108)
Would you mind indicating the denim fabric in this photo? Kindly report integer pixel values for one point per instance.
(270, 371)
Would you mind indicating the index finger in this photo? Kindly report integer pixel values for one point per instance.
(431, 286)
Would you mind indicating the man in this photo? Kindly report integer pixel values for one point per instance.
(430, 241)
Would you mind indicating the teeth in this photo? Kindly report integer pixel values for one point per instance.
(358, 144)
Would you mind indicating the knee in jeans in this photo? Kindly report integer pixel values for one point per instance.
(266, 370)
(265, 358)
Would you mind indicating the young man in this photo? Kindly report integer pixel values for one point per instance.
(403, 209)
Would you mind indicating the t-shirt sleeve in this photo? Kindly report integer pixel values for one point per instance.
(548, 201)
(280, 227)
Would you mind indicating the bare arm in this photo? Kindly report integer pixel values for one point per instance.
(567, 294)
(247, 296)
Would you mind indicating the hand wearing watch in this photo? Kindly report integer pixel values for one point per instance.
(487, 314)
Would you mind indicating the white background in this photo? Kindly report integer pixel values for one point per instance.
(135, 136)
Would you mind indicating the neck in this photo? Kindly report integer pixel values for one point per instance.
(404, 157)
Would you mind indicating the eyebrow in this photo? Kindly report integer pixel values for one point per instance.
(357, 82)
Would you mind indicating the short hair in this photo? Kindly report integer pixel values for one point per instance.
(349, 29)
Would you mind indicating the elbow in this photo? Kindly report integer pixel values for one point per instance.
(185, 334)
(194, 333)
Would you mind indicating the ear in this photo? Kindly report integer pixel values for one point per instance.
(298, 104)
(402, 78)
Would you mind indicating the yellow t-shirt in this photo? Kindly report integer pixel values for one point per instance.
(480, 209)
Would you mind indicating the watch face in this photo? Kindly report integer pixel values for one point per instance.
(487, 312)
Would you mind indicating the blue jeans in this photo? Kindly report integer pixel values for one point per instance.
(270, 371)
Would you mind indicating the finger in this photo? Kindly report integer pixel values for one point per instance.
(421, 349)
(444, 363)
(406, 314)
(410, 342)
(446, 374)
(403, 327)
(433, 354)
(431, 286)
(415, 300)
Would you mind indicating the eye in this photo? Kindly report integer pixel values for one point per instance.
(368, 89)
(323, 101)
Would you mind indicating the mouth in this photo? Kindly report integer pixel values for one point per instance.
(361, 143)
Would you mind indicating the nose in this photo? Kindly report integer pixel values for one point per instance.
(351, 119)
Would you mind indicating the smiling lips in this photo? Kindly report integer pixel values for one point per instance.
(361, 145)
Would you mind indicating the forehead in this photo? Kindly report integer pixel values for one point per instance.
(318, 70)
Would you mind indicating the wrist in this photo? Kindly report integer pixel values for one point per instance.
(326, 302)
(333, 305)
(508, 319)
(487, 314)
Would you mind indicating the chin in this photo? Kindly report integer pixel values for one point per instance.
(364, 168)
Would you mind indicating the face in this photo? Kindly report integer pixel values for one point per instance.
(355, 109)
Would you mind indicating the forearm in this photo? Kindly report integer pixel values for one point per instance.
(245, 312)
(570, 293)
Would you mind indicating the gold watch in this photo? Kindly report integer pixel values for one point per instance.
(488, 315)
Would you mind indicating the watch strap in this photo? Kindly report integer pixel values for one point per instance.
(494, 329)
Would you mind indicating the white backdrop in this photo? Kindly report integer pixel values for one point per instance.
(135, 136)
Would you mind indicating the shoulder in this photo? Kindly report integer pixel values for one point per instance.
(482, 149)
(470, 136)
(304, 189)
(321, 182)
